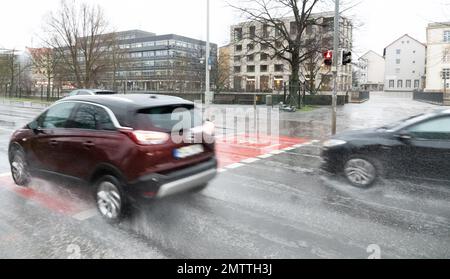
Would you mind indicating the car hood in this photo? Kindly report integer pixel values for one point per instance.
(361, 134)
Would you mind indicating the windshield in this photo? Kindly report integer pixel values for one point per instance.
(404, 122)
(168, 118)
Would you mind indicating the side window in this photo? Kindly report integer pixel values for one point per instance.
(91, 117)
(435, 129)
(56, 117)
(81, 92)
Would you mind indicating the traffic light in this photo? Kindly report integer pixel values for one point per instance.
(328, 57)
(346, 57)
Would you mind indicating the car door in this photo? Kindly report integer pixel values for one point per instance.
(430, 147)
(90, 139)
(46, 145)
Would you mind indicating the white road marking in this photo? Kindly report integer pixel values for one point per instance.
(5, 174)
(298, 145)
(315, 141)
(265, 156)
(221, 170)
(235, 166)
(276, 152)
(289, 149)
(84, 215)
(250, 160)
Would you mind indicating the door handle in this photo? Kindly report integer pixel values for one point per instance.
(54, 143)
(89, 144)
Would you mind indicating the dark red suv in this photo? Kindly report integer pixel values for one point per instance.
(128, 147)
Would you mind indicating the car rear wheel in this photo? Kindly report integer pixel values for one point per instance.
(19, 168)
(110, 199)
(360, 172)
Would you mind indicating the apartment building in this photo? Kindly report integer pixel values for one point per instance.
(161, 63)
(255, 69)
(404, 65)
(438, 56)
(371, 71)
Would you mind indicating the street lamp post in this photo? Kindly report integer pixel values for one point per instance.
(208, 95)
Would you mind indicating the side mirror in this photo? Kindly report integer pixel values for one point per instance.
(35, 127)
(404, 136)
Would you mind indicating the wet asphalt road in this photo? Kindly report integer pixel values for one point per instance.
(276, 207)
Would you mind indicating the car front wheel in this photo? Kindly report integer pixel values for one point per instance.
(110, 199)
(360, 172)
(19, 168)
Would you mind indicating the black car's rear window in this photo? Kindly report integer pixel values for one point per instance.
(166, 118)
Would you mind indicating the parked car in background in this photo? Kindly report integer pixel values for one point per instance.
(82, 92)
(416, 147)
(121, 145)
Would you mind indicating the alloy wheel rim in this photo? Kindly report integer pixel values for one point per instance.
(360, 172)
(108, 200)
(18, 168)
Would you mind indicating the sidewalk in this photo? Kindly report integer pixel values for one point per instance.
(25, 103)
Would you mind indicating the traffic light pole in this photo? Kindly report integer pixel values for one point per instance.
(335, 68)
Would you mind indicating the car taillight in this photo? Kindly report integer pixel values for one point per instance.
(147, 137)
(209, 128)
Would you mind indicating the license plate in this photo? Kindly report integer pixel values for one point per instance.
(188, 151)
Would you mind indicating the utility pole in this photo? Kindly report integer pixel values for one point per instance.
(335, 66)
(208, 97)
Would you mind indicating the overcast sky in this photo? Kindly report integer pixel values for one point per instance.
(384, 20)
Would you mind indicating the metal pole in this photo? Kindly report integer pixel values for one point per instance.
(335, 65)
(208, 100)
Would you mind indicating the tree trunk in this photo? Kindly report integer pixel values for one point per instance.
(294, 86)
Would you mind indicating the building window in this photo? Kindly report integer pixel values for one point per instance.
(397, 61)
(252, 31)
(263, 68)
(293, 28)
(264, 46)
(250, 58)
(446, 73)
(398, 51)
(237, 58)
(238, 47)
(408, 83)
(416, 83)
(397, 70)
(446, 56)
(391, 83)
(446, 36)
(414, 62)
(264, 57)
(237, 69)
(238, 34)
(250, 69)
(399, 83)
(265, 31)
(250, 47)
(279, 67)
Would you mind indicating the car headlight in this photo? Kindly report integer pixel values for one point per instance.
(333, 143)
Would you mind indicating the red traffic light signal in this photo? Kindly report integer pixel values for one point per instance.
(328, 57)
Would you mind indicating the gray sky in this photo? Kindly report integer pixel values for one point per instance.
(384, 20)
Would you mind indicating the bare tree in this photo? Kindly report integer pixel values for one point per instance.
(80, 35)
(285, 42)
(45, 63)
(223, 70)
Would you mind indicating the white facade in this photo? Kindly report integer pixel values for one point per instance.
(372, 67)
(438, 55)
(405, 65)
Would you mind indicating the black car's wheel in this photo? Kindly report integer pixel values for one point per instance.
(110, 199)
(361, 171)
(19, 168)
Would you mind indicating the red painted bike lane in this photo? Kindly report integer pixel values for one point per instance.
(229, 152)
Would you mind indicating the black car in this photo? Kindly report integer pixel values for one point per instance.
(416, 147)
